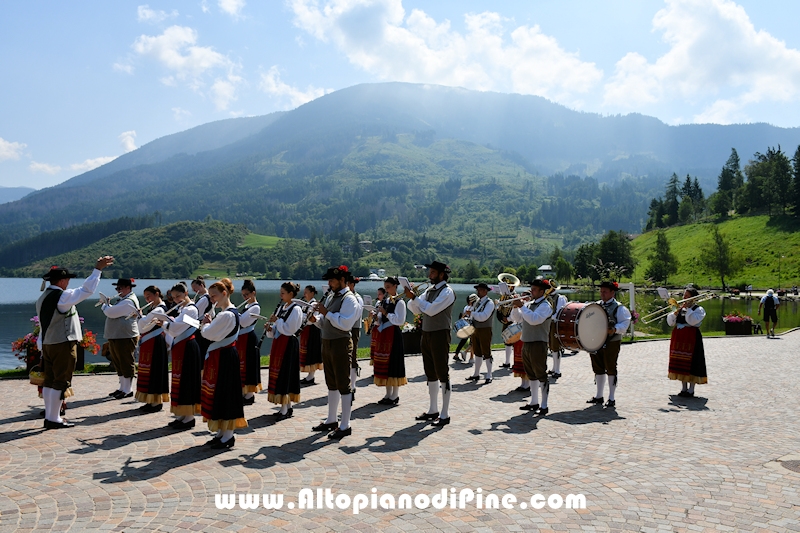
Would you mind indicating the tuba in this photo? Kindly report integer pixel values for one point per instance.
(504, 311)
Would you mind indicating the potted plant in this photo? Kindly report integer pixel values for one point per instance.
(738, 324)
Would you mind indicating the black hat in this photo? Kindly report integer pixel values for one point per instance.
(543, 283)
(56, 273)
(125, 282)
(352, 279)
(612, 285)
(482, 286)
(441, 267)
(336, 272)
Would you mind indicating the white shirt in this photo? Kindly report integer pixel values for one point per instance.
(204, 305)
(70, 297)
(534, 316)
(398, 318)
(221, 326)
(560, 303)
(622, 326)
(143, 322)
(487, 311)
(248, 318)
(291, 324)
(176, 328)
(693, 318)
(763, 299)
(442, 302)
(347, 317)
(123, 308)
(360, 311)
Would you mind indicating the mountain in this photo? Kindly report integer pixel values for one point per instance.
(10, 194)
(391, 157)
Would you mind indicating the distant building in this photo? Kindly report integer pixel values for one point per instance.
(365, 245)
(381, 273)
(546, 271)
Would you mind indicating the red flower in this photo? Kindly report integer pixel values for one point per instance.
(343, 268)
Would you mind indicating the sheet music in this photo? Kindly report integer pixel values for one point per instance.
(404, 282)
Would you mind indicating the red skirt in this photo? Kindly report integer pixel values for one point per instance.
(386, 353)
(152, 383)
(221, 391)
(185, 390)
(687, 359)
(249, 362)
(310, 349)
(284, 370)
(518, 368)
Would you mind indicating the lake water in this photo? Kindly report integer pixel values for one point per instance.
(18, 297)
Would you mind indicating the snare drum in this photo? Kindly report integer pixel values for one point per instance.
(512, 334)
(463, 328)
(582, 326)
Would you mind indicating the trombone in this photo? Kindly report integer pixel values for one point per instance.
(673, 305)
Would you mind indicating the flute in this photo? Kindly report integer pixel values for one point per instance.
(139, 310)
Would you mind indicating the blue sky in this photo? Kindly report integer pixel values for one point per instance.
(85, 82)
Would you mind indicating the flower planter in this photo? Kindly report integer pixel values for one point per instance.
(411, 342)
(739, 328)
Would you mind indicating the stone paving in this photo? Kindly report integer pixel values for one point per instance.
(657, 462)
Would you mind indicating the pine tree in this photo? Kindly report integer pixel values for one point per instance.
(671, 200)
(718, 257)
(663, 263)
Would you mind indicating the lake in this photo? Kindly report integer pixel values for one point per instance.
(18, 297)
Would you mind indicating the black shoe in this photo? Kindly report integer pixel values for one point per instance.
(457, 358)
(43, 413)
(337, 434)
(219, 445)
(147, 408)
(325, 427)
(212, 442)
(57, 425)
(248, 401)
(683, 393)
(555, 376)
(473, 378)
(306, 382)
(596, 400)
(288, 414)
(427, 416)
(611, 403)
(543, 411)
(175, 423)
(488, 380)
(112, 394)
(522, 389)
(384, 401)
(439, 422)
(182, 425)
(121, 395)
(528, 407)
(505, 366)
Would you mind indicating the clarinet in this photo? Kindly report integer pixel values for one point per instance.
(263, 335)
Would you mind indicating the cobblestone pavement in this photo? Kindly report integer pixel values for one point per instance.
(657, 462)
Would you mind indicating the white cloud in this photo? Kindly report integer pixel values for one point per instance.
(10, 150)
(271, 84)
(378, 36)
(204, 6)
(176, 50)
(232, 7)
(716, 59)
(128, 140)
(223, 91)
(91, 164)
(145, 14)
(180, 114)
(122, 67)
(44, 167)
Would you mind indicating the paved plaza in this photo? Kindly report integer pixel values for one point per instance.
(718, 462)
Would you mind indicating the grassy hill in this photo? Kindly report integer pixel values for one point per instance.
(761, 241)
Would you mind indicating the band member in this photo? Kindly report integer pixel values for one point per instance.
(122, 333)
(504, 317)
(481, 316)
(770, 303)
(59, 335)
(604, 360)
(519, 367)
(355, 370)
(284, 357)
(205, 307)
(186, 357)
(387, 344)
(310, 341)
(471, 299)
(152, 383)
(535, 318)
(436, 307)
(336, 316)
(247, 345)
(687, 359)
(556, 350)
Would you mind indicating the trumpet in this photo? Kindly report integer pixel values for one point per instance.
(419, 289)
(673, 305)
(501, 302)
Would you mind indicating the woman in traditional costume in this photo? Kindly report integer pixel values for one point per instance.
(186, 360)
(687, 359)
(284, 357)
(387, 344)
(152, 383)
(310, 341)
(247, 346)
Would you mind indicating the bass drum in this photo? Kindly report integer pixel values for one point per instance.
(582, 326)
(463, 328)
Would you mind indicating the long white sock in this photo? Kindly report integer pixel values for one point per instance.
(612, 387)
(691, 388)
(333, 406)
(478, 363)
(227, 435)
(249, 395)
(284, 408)
(557, 362)
(395, 392)
(311, 373)
(219, 434)
(433, 392)
(684, 386)
(353, 378)
(445, 400)
(186, 419)
(545, 393)
(488, 368)
(128, 384)
(347, 406)
(388, 393)
(509, 354)
(534, 393)
(600, 379)
(120, 382)
(52, 404)
(525, 383)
